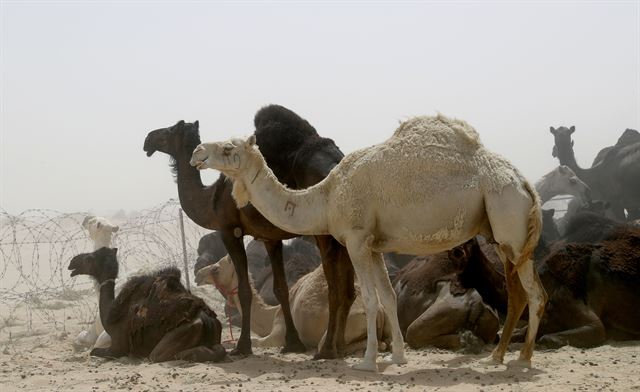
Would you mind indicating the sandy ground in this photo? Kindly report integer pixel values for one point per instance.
(43, 359)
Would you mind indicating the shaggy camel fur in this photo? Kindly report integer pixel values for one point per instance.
(309, 308)
(429, 188)
(100, 232)
(153, 316)
(562, 181)
(594, 291)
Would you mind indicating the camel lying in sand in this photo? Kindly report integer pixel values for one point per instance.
(309, 308)
(594, 290)
(428, 188)
(153, 316)
(449, 300)
(100, 232)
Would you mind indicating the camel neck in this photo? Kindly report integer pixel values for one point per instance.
(196, 199)
(105, 299)
(296, 211)
(567, 157)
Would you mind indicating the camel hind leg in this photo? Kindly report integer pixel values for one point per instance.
(510, 214)
(390, 304)
(537, 298)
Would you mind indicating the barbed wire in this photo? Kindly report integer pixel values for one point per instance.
(37, 245)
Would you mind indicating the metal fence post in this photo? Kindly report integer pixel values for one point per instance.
(184, 252)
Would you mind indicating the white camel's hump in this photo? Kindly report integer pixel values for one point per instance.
(438, 131)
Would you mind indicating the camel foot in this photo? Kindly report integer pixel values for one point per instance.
(397, 359)
(241, 352)
(490, 361)
(520, 363)
(296, 347)
(326, 354)
(366, 365)
(84, 340)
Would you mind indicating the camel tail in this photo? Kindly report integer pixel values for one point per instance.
(534, 228)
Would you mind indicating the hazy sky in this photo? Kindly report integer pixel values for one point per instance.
(83, 83)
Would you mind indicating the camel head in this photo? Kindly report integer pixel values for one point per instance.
(562, 136)
(100, 265)
(100, 230)
(221, 274)
(230, 157)
(180, 138)
(566, 180)
(461, 254)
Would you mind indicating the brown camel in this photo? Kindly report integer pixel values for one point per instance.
(153, 316)
(449, 300)
(299, 157)
(615, 177)
(594, 291)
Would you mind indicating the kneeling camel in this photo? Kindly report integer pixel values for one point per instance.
(153, 316)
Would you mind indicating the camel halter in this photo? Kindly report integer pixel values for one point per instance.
(227, 296)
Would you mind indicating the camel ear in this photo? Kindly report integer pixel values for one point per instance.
(197, 124)
(563, 169)
(572, 129)
(240, 194)
(572, 143)
(251, 140)
(99, 225)
(114, 251)
(552, 130)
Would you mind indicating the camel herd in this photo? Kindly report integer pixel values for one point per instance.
(488, 248)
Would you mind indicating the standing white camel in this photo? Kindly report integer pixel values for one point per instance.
(427, 189)
(100, 232)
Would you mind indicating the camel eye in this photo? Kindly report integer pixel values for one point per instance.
(227, 148)
(573, 180)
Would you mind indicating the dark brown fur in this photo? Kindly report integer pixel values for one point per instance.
(594, 291)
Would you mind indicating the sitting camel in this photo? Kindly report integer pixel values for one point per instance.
(153, 316)
(100, 232)
(447, 300)
(309, 308)
(594, 291)
(427, 189)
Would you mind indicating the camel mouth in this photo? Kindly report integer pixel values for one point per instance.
(201, 165)
(74, 270)
(150, 152)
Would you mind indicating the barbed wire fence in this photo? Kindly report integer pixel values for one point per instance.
(37, 245)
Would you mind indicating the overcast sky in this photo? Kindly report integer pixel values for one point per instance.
(83, 83)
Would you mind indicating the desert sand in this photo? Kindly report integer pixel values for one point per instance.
(42, 358)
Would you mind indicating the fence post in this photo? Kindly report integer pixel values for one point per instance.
(184, 251)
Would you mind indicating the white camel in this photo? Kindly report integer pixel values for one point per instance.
(427, 189)
(562, 181)
(309, 308)
(100, 232)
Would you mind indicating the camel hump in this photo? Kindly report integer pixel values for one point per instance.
(439, 131)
